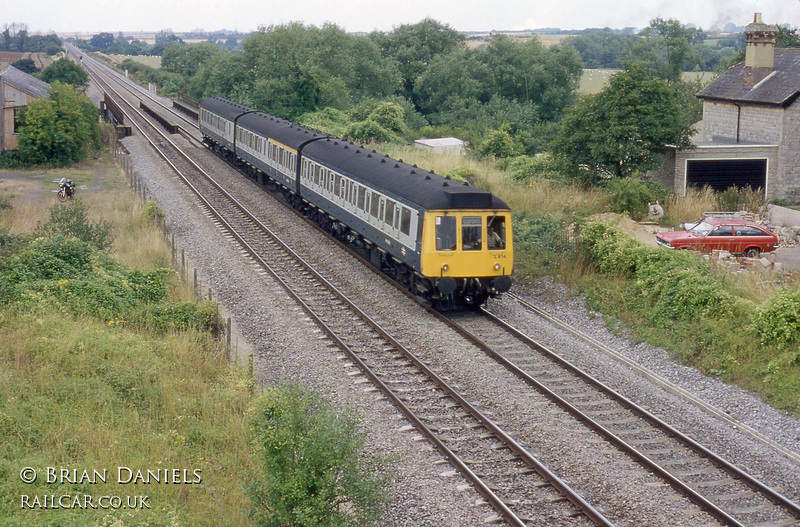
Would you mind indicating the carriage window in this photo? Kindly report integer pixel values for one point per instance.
(337, 185)
(445, 233)
(376, 200)
(316, 174)
(496, 233)
(362, 192)
(405, 221)
(471, 233)
(388, 217)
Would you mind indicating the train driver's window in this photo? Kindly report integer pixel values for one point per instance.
(496, 233)
(445, 233)
(471, 233)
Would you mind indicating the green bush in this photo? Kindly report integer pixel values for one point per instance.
(631, 196)
(542, 233)
(312, 467)
(462, 174)
(82, 280)
(70, 220)
(677, 285)
(544, 166)
(778, 320)
(370, 131)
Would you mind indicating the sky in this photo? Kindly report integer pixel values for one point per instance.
(94, 16)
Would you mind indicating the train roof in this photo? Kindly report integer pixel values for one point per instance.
(414, 185)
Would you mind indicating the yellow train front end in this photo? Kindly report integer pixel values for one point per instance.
(467, 255)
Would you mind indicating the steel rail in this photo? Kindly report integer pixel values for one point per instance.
(661, 381)
(481, 486)
(675, 482)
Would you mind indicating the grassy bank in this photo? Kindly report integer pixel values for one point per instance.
(107, 373)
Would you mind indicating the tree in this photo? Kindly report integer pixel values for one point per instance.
(787, 38)
(187, 60)
(666, 49)
(66, 71)
(60, 130)
(414, 46)
(26, 65)
(102, 41)
(623, 129)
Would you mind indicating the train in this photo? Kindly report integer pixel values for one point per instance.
(445, 241)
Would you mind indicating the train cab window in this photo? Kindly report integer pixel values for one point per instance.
(445, 233)
(496, 233)
(471, 233)
(405, 221)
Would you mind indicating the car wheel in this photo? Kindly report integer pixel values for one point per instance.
(752, 252)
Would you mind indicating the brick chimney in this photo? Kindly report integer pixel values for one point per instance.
(759, 55)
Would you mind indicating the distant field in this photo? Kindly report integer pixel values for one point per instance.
(593, 81)
(40, 59)
(153, 62)
(476, 41)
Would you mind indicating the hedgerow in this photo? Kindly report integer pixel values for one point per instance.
(80, 279)
(676, 285)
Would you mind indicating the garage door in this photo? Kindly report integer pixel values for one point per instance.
(725, 173)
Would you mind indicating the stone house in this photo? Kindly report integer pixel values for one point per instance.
(18, 89)
(750, 132)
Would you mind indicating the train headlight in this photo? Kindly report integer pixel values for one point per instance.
(497, 267)
(445, 268)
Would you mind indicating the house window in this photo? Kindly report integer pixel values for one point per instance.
(18, 114)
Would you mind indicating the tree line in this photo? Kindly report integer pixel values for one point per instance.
(15, 37)
(510, 98)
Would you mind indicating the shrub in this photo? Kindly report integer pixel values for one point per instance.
(734, 199)
(778, 320)
(543, 232)
(70, 220)
(631, 196)
(462, 174)
(677, 285)
(369, 130)
(543, 166)
(499, 143)
(312, 468)
(178, 316)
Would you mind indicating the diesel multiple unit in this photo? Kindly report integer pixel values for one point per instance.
(445, 241)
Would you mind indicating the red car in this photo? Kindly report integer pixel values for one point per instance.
(728, 234)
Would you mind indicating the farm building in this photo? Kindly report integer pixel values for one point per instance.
(18, 90)
(751, 124)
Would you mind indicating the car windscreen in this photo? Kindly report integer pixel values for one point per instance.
(701, 228)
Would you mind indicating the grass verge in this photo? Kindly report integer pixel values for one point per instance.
(101, 393)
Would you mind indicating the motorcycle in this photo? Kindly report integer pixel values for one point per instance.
(66, 189)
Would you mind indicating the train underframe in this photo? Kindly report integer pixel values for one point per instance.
(445, 293)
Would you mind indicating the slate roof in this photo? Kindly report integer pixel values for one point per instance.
(781, 87)
(27, 83)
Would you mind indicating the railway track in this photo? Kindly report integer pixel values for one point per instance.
(511, 479)
(516, 485)
(729, 494)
